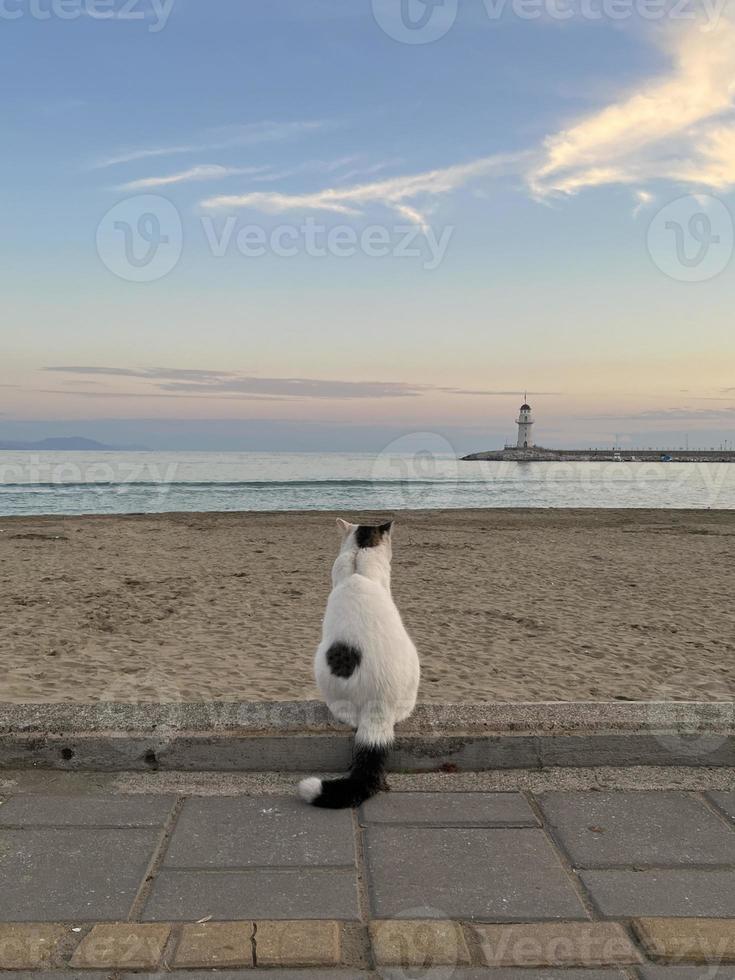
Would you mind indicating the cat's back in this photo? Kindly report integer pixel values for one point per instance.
(359, 591)
(362, 610)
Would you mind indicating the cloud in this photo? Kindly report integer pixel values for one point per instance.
(294, 388)
(643, 199)
(401, 194)
(715, 165)
(184, 382)
(667, 414)
(207, 171)
(178, 381)
(366, 170)
(214, 171)
(676, 127)
(184, 373)
(223, 137)
(150, 394)
(326, 166)
(519, 393)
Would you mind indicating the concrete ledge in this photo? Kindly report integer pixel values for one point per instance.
(330, 948)
(273, 717)
(301, 737)
(118, 946)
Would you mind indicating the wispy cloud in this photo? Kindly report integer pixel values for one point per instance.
(180, 382)
(292, 387)
(367, 171)
(326, 167)
(175, 373)
(670, 414)
(677, 127)
(221, 138)
(404, 195)
(205, 171)
(642, 199)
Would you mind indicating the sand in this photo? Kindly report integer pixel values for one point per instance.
(532, 605)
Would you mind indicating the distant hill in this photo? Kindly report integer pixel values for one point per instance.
(72, 444)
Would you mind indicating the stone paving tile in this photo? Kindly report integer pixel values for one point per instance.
(412, 943)
(30, 947)
(688, 940)
(215, 944)
(226, 895)
(262, 831)
(450, 809)
(556, 944)
(385, 973)
(637, 828)
(621, 894)
(655, 972)
(725, 801)
(68, 874)
(291, 944)
(269, 974)
(122, 945)
(467, 873)
(57, 975)
(481, 973)
(81, 811)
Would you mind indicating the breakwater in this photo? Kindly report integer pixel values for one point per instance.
(542, 455)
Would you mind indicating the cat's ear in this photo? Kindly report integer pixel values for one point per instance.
(386, 528)
(344, 527)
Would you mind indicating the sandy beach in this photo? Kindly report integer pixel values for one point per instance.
(530, 605)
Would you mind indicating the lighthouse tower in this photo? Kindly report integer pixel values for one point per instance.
(524, 423)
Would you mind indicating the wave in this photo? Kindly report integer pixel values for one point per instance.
(199, 486)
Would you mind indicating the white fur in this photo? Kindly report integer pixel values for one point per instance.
(361, 613)
(310, 788)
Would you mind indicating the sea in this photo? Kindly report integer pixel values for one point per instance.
(73, 483)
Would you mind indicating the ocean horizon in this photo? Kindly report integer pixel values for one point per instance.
(77, 483)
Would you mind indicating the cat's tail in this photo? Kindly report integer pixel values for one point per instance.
(373, 741)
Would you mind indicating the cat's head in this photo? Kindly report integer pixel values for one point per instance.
(359, 536)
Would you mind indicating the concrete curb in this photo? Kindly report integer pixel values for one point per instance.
(410, 944)
(278, 717)
(291, 736)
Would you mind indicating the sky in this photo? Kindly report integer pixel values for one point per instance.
(332, 224)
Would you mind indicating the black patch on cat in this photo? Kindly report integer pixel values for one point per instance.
(343, 660)
(368, 536)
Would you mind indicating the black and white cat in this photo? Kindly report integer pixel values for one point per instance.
(366, 665)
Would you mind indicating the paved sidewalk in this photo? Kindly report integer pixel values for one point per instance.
(441, 885)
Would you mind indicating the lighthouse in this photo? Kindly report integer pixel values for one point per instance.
(524, 423)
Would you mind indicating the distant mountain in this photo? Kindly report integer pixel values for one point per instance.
(74, 444)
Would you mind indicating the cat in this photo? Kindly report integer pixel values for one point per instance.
(366, 665)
